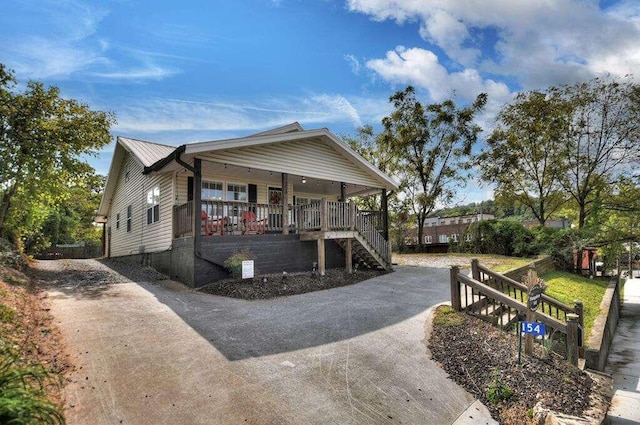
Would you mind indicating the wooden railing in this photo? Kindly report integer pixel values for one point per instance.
(366, 224)
(504, 301)
(518, 291)
(316, 216)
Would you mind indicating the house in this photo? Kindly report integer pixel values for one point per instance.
(283, 195)
(442, 230)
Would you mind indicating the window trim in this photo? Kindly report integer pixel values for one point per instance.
(129, 217)
(246, 192)
(153, 205)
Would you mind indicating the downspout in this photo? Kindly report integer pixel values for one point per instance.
(197, 174)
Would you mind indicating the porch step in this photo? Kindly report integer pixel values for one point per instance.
(364, 255)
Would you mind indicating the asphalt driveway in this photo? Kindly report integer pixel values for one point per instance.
(163, 354)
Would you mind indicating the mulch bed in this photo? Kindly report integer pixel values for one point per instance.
(292, 284)
(476, 354)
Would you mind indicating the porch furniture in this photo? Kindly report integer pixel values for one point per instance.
(215, 226)
(251, 225)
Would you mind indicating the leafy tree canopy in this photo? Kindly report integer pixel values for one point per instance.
(429, 148)
(43, 138)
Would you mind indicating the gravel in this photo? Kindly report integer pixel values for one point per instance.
(92, 272)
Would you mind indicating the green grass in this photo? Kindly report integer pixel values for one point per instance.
(446, 316)
(568, 287)
(499, 263)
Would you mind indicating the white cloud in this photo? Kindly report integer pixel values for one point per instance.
(421, 68)
(354, 63)
(65, 42)
(534, 43)
(176, 115)
(149, 72)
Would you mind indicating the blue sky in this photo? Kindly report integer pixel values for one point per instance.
(176, 72)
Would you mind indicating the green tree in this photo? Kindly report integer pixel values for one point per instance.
(429, 148)
(42, 140)
(524, 155)
(602, 143)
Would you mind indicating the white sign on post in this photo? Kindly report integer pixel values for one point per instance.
(247, 269)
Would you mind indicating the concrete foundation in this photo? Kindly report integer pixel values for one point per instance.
(271, 253)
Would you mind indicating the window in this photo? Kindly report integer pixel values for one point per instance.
(467, 237)
(129, 216)
(236, 192)
(468, 220)
(153, 205)
(454, 237)
(118, 221)
(212, 191)
(444, 239)
(427, 239)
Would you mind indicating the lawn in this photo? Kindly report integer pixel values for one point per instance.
(568, 287)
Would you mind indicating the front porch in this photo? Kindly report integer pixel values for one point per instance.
(361, 234)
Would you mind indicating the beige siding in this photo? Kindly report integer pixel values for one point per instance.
(299, 157)
(182, 196)
(142, 237)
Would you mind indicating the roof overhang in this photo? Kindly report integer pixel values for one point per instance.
(190, 151)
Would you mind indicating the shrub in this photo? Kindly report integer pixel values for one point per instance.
(234, 262)
(501, 237)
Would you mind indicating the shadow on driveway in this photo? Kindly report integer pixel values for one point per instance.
(241, 329)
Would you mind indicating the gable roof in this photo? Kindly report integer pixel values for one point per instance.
(154, 157)
(144, 153)
(287, 134)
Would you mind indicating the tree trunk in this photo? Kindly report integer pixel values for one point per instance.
(582, 215)
(6, 203)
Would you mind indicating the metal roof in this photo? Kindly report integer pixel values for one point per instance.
(147, 153)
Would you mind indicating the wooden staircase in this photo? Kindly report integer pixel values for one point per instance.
(342, 222)
(364, 254)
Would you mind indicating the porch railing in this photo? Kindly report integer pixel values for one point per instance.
(227, 218)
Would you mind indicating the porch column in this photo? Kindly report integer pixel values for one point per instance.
(321, 257)
(285, 203)
(197, 205)
(385, 213)
(348, 256)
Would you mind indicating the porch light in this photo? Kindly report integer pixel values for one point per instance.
(304, 180)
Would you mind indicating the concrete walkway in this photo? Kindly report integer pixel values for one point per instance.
(624, 360)
(154, 354)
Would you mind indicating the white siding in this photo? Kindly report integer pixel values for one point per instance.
(299, 157)
(182, 196)
(142, 237)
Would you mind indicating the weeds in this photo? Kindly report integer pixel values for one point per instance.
(498, 391)
(22, 398)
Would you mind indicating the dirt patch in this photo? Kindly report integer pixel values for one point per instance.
(27, 325)
(278, 285)
(484, 360)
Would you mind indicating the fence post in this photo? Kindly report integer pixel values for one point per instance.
(572, 338)
(455, 289)
(580, 312)
(475, 272)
